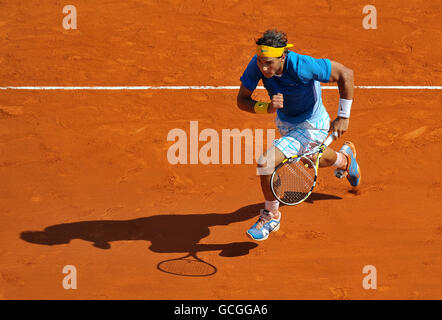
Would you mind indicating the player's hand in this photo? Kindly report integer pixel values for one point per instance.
(277, 103)
(339, 125)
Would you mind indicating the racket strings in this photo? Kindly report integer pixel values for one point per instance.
(301, 170)
(294, 181)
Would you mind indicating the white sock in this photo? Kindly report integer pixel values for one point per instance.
(272, 206)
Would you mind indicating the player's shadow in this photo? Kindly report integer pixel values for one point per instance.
(166, 233)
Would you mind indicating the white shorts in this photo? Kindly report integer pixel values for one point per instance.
(301, 137)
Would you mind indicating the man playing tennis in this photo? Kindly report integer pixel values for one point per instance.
(293, 85)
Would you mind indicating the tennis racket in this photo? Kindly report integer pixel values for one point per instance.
(294, 178)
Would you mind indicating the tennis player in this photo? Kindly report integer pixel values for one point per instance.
(293, 81)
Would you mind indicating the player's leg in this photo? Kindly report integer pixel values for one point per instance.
(344, 161)
(266, 165)
(295, 139)
(329, 158)
(270, 216)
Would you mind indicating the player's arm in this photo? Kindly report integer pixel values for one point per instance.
(244, 100)
(246, 103)
(343, 76)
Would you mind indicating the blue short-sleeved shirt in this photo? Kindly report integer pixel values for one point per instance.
(299, 84)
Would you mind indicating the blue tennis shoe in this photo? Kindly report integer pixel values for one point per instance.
(352, 172)
(264, 226)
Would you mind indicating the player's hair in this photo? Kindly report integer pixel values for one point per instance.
(273, 38)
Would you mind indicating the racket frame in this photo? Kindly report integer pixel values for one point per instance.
(318, 150)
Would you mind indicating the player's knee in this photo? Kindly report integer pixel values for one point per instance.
(265, 161)
(261, 161)
(265, 165)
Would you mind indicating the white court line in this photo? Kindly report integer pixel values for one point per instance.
(203, 88)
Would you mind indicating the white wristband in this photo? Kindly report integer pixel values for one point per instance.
(344, 108)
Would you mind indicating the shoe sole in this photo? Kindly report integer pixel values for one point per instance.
(353, 149)
(360, 178)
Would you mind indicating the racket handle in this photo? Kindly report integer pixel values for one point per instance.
(331, 138)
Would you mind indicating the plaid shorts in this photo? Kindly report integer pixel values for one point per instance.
(301, 137)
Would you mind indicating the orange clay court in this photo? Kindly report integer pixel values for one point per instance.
(84, 176)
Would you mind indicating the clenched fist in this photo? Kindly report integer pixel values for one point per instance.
(277, 103)
(340, 125)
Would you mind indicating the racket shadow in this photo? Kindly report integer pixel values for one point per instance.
(191, 265)
(188, 266)
(318, 197)
(166, 233)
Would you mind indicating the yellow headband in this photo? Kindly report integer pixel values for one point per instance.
(271, 52)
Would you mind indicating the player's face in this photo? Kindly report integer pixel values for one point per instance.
(270, 66)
